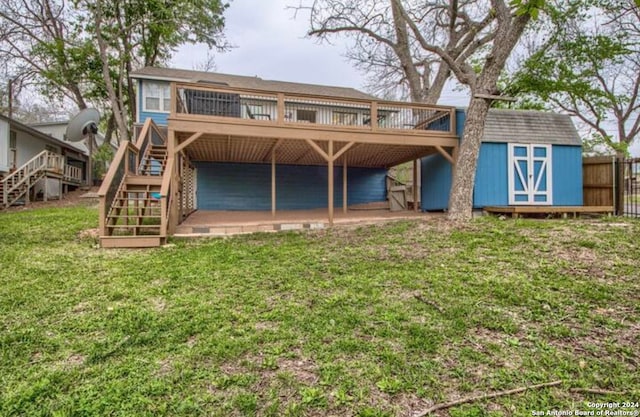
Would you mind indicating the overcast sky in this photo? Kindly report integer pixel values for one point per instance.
(271, 44)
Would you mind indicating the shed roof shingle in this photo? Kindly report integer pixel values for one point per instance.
(255, 83)
(530, 127)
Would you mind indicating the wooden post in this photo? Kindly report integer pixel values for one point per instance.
(280, 109)
(415, 185)
(344, 185)
(174, 99)
(46, 188)
(619, 186)
(273, 184)
(374, 115)
(330, 180)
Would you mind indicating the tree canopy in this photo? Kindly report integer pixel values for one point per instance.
(421, 44)
(53, 45)
(590, 69)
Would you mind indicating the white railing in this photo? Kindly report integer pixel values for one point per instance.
(72, 174)
(44, 161)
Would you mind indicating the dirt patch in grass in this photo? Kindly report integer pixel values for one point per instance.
(72, 199)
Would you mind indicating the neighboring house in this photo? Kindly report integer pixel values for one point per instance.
(526, 158)
(58, 130)
(223, 142)
(35, 165)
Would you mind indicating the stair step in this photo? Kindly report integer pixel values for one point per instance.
(135, 217)
(132, 226)
(131, 241)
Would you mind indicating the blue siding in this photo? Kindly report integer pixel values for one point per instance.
(436, 182)
(159, 118)
(226, 186)
(567, 175)
(491, 187)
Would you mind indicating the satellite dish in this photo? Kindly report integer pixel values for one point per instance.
(83, 124)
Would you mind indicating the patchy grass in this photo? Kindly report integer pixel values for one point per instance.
(371, 321)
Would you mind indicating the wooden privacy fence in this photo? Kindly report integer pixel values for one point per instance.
(598, 181)
(611, 181)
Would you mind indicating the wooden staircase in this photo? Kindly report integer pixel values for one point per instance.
(133, 201)
(155, 162)
(17, 185)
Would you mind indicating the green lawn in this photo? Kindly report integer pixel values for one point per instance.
(372, 321)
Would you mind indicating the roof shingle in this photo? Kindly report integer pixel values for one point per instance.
(530, 127)
(254, 83)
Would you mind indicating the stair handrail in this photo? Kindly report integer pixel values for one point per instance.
(124, 162)
(20, 175)
(165, 196)
(149, 135)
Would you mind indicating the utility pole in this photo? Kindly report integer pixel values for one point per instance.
(10, 98)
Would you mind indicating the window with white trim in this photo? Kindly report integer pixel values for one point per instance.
(156, 97)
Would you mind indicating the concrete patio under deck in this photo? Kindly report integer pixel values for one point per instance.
(225, 223)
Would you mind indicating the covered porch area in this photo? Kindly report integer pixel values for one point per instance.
(286, 161)
(205, 223)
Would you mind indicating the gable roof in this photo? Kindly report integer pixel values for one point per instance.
(528, 126)
(42, 136)
(240, 81)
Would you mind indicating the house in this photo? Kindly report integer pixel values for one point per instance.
(527, 158)
(218, 142)
(224, 142)
(36, 165)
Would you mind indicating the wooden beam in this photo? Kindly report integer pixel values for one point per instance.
(342, 150)
(330, 180)
(318, 149)
(223, 126)
(273, 183)
(445, 154)
(344, 185)
(494, 97)
(187, 142)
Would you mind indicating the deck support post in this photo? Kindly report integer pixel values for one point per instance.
(344, 185)
(273, 183)
(415, 185)
(330, 180)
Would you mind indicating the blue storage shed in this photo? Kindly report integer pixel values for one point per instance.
(526, 158)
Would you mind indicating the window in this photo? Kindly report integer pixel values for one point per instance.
(344, 118)
(156, 97)
(306, 116)
(13, 139)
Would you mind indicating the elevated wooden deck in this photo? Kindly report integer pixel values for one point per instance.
(564, 211)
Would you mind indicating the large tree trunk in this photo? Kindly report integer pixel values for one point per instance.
(464, 174)
(507, 35)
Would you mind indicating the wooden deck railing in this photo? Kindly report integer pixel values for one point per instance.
(313, 110)
(124, 162)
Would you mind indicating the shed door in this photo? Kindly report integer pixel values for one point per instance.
(530, 174)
